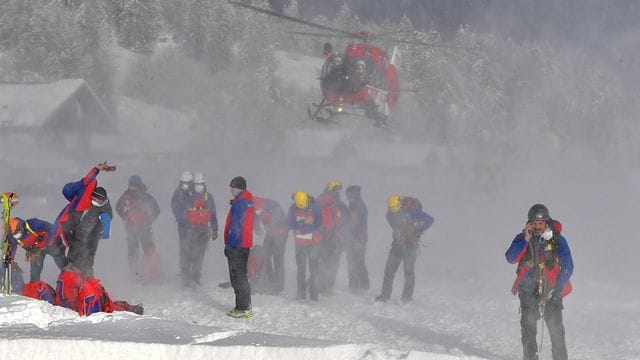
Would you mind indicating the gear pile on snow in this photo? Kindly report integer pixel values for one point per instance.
(86, 296)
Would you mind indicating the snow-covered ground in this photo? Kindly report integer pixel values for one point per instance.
(467, 319)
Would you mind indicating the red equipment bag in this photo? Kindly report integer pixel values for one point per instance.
(93, 298)
(40, 290)
(67, 288)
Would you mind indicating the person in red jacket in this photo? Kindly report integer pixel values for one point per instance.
(270, 220)
(238, 240)
(138, 210)
(545, 266)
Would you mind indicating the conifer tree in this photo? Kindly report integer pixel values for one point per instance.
(137, 25)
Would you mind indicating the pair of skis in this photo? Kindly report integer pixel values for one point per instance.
(8, 199)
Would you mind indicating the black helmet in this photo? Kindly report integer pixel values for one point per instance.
(99, 193)
(538, 212)
(328, 48)
(238, 182)
(353, 191)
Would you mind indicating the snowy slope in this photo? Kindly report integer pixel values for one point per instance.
(35, 329)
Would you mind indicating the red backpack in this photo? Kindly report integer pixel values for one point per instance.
(40, 290)
(67, 287)
(93, 298)
(331, 214)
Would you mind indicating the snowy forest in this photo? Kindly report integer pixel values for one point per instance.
(538, 104)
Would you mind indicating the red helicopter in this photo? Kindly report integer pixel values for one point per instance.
(363, 80)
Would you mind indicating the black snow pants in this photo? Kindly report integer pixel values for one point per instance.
(405, 253)
(137, 235)
(329, 263)
(192, 249)
(274, 246)
(529, 316)
(308, 254)
(238, 259)
(358, 274)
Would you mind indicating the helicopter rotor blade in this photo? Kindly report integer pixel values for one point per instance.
(420, 43)
(294, 19)
(321, 35)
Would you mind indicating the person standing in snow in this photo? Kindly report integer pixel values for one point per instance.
(545, 266)
(357, 242)
(138, 210)
(197, 213)
(336, 225)
(271, 220)
(305, 220)
(179, 204)
(238, 240)
(408, 222)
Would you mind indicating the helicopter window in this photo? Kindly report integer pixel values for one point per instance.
(332, 65)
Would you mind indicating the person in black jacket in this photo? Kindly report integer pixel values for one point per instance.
(84, 229)
(357, 243)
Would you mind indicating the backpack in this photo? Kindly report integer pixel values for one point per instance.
(93, 298)
(40, 290)
(67, 287)
(331, 215)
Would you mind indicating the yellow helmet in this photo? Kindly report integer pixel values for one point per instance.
(301, 199)
(334, 185)
(394, 202)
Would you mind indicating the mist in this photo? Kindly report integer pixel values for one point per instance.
(546, 116)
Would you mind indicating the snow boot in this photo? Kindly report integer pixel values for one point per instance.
(241, 314)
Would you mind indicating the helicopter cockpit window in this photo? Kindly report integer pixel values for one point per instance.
(333, 75)
(332, 65)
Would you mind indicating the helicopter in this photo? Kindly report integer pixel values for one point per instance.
(363, 80)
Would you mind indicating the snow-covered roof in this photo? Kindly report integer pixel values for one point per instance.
(37, 104)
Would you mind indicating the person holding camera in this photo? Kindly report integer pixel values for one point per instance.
(544, 268)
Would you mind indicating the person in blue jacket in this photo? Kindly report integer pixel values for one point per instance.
(408, 222)
(545, 266)
(304, 219)
(238, 241)
(31, 235)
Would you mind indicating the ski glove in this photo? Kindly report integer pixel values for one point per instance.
(554, 294)
(214, 236)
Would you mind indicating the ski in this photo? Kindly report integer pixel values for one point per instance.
(7, 202)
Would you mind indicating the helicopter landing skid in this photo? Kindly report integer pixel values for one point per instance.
(320, 112)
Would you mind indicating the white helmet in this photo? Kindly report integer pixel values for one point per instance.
(186, 176)
(198, 178)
